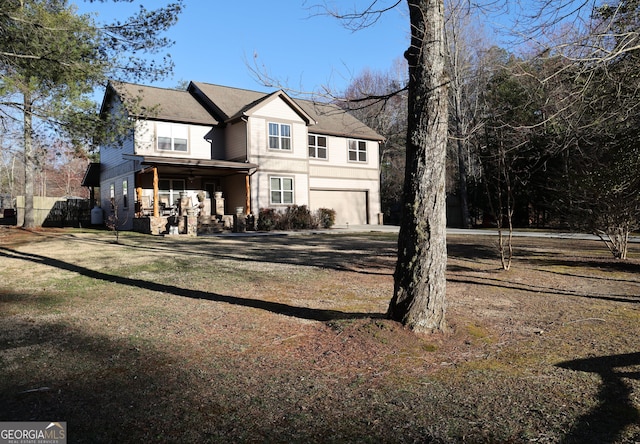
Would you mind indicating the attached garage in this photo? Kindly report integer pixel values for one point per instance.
(351, 206)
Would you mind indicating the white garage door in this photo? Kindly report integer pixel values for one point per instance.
(350, 206)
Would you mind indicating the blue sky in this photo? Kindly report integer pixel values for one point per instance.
(217, 39)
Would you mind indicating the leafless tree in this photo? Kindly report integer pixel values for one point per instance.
(389, 118)
(465, 46)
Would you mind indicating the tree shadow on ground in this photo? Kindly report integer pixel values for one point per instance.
(365, 254)
(274, 307)
(616, 411)
(100, 387)
(123, 390)
(539, 289)
(612, 265)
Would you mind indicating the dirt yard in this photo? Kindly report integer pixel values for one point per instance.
(284, 339)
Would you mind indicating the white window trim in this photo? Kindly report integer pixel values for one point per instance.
(279, 136)
(282, 191)
(125, 194)
(316, 146)
(172, 193)
(358, 151)
(171, 129)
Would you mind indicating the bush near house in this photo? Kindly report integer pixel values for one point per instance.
(295, 217)
(326, 217)
(267, 219)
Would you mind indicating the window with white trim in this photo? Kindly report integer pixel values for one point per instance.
(169, 191)
(281, 189)
(172, 137)
(112, 195)
(357, 151)
(317, 146)
(279, 136)
(125, 194)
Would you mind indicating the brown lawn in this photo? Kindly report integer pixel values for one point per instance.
(283, 339)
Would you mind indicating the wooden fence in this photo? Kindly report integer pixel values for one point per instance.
(57, 212)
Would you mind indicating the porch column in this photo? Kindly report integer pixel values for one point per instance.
(156, 194)
(139, 200)
(248, 191)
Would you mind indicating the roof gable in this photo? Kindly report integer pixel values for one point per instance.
(159, 103)
(226, 102)
(279, 95)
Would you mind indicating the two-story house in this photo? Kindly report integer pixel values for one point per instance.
(249, 149)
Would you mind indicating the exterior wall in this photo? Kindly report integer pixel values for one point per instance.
(275, 162)
(236, 142)
(276, 111)
(111, 155)
(218, 144)
(235, 195)
(260, 192)
(336, 173)
(197, 145)
(125, 215)
(338, 153)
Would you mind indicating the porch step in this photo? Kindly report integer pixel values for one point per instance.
(209, 225)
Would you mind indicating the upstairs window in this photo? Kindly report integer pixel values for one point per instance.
(317, 147)
(172, 137)
(279, 136)
(281, 190)
(357, 151)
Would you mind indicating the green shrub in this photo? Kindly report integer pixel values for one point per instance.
(297, 218)
(326, 217)
(268, 219)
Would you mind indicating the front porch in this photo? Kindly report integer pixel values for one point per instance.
(187, 196)
(191, 225)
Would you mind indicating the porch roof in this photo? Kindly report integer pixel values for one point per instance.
(195, 164)
(92, 175)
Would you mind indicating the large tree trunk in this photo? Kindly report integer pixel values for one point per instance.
(29, 162)
(420, 277)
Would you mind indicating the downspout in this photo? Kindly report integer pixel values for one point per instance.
(247, 181)
(247, 201)
(248, 190)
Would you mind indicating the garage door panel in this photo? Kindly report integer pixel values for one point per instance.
(350, 206)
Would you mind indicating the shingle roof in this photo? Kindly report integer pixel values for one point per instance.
(207, 103)
(227, 101)
(162, 103)
(333, 120)
(329, 119)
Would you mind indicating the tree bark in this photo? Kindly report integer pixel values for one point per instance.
(420, 277)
